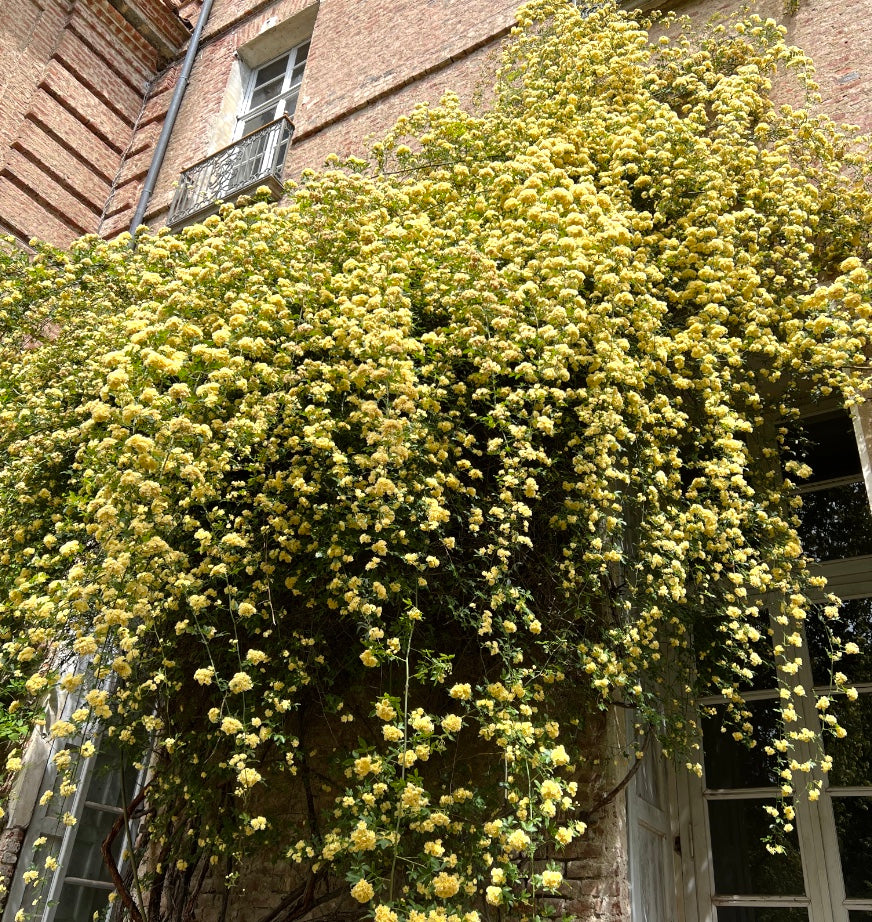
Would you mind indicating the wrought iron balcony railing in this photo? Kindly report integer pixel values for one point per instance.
(253, 161)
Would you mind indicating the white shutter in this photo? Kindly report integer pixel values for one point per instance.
(650, 838)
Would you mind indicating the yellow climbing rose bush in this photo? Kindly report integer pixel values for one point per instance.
(346, 513)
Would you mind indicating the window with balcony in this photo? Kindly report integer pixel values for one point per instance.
(263, 134)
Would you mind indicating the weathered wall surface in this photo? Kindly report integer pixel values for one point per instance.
(835, 35)
(595, 866)
(10, 848)
(73, 78)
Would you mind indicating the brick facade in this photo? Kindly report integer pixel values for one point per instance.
(75, 76)
(370, 62)
(837, 37)
(86, 85)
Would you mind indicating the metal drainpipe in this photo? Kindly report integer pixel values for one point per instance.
(170, 119)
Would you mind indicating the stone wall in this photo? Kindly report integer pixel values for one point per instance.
(10, 847)
(595, 866)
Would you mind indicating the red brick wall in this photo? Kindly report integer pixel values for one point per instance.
(835, 34)
(349, 135)
(74, 78)
(73, 135)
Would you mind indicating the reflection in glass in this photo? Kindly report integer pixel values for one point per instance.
(852, 755)
(836, 522)
(827, 444)
(105, 784)
(82, 903)
(742, 865)
(853, 626)
(854, 829)
(730, 763)
(270, 72)
(762, 914)
(301, 55)
(267, 91)
(714, 675)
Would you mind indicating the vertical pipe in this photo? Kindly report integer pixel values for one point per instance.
(170, 119)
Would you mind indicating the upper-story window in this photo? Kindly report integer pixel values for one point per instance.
(256, 158)
(272, 90)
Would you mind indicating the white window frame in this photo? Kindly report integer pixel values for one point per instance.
(44, 821)
(282, 103)
(849, 578)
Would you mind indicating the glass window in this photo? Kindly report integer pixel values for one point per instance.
(854, 624)
(742, 879)
(743, 866)
(273, 90)
(731, 763)
(836, 520)
(81, 886)
(854, 830)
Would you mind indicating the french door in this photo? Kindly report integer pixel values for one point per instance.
(820, 868)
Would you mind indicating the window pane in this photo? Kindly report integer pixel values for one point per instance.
(826, 443)
(836, 522)
(290, 105)
(78, 904)
(270, 72)
(87, 860)
(255, 122)
(852, 755)
(862, 915)
(762, 914)
(714, 676)
(731, 764)
(854, 625)
(742, 865)
(265, 93)
(105, 784)
(854, 829)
